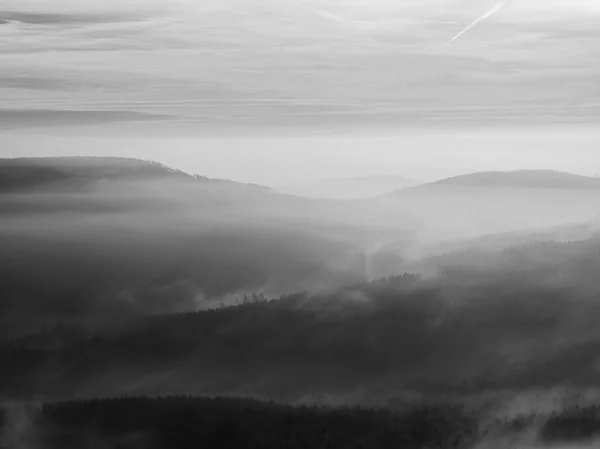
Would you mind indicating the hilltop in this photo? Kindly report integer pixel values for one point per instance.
(492, 202)
(67, 173)
(536, 179)
(349, 188)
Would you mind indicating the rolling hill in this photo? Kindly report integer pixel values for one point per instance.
(352, 187)
(74, 173)
(112, 238)
(496, 202)
(497, 321)
(521, 179)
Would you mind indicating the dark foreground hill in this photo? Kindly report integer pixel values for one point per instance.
(184, 422)
(521, 318)
(236, 423)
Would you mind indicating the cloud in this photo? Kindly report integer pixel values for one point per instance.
(31, 83)
(36, 118)
(258, 56)
(86, 7)
(43, 18)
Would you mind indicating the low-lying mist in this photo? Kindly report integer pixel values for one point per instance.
(164, 284)
(102, 239)
(93, 265)
(520, 318)
(89, 252)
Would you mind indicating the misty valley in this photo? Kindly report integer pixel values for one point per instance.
(145, 307)
(299, 224)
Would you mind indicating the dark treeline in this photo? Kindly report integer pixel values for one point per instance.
(572, 424)
(190, 422)
(185, 422)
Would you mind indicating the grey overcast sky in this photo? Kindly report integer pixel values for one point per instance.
(278, 91)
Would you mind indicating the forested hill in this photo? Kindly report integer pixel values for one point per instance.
(30, 174)
(535, 179)
(525, 317)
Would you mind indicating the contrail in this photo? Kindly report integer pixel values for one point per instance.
(331, 16)
(496, 9)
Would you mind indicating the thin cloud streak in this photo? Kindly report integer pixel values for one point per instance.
(495, 10)
(206, 59)
(11, 119)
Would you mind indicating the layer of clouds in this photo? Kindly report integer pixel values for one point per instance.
(264, 59)
(24, 118)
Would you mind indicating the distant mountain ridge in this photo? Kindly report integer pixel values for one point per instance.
(493, 202)
(348, 188)
(26, 174)
(544, 179)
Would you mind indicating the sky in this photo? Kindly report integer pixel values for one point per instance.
(277, 91)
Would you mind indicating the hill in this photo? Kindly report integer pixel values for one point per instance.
(521, 318)
(351, 188)
(531, 179)
(182, 422)
(188, 422)
(75, 173)
(105, 238)
(496, 202)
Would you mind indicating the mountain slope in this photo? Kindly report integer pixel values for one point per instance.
(499, 319)
(110, 237)
(352, 187)
(497, 202)
(533, 179)
(73, 173)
